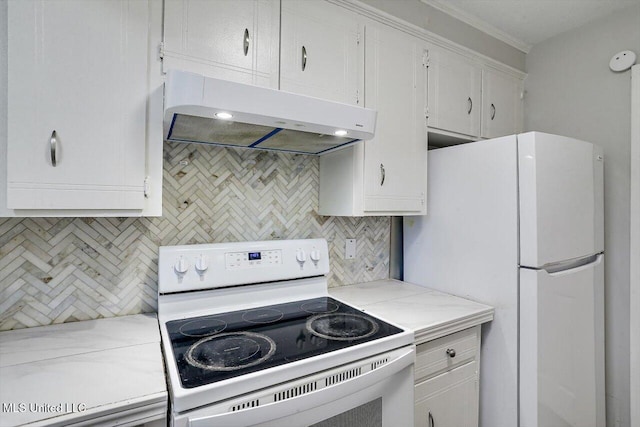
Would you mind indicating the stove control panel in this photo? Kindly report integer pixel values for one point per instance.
(198, 267)
(243, 260)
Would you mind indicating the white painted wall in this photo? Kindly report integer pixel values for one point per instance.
(572, 92)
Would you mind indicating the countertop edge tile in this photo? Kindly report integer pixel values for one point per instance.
(457, 325)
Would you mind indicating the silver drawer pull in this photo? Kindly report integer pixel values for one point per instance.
(53, 148)
(304, 58)
(432, 422)
(382, 174)
(246, 41)
(493, 111)
(470, 102)
(451, 352)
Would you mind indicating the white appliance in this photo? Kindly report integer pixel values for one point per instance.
(251, 338)
(200, 109)
(517, 223)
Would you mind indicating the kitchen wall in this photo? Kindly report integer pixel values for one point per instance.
(55, 270)
(572, 92)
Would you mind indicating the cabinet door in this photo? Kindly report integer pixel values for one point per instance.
(234, 40)
(77, 99)
(395, 160)
(448, 400)
(321, 51)
(501, 104)
(454, 93)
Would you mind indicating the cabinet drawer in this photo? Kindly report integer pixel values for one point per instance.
(434, 356)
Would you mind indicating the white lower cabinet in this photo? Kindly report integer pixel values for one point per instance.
(447, 381)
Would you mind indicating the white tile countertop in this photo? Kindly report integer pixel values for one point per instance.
(87, 372)
(430, 314)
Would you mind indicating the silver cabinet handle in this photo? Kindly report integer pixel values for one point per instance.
(432, 422)
(493, 111)
(304, 58)
(451, 352)
(53, 148)
(246, 41)
(382, 174)
(470, 101)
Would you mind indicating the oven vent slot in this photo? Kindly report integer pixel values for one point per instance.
(249, 404)
(378, 363)
(342, 376)
(295, 391)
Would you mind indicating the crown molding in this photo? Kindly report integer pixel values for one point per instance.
(479, 24)
(432, 38)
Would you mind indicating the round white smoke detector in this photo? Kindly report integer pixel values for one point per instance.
(622, 61)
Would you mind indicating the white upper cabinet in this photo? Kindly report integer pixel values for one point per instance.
(388, 174)
(501, 104)
(228, 39)
(395, 160)
(454, 92)
(77, 104)
(470, 99)
(321, 51)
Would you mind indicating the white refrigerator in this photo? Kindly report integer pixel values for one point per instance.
(517, 223)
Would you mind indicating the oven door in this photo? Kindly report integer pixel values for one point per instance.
(372, 392)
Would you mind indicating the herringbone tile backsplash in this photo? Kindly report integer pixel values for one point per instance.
(55, 270)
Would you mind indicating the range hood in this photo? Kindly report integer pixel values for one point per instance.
(205, 110)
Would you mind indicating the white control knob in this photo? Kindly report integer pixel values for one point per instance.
(301, 256)
(202, 264)
(315, 256)
(181, 266)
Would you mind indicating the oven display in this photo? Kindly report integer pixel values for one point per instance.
(258, 259)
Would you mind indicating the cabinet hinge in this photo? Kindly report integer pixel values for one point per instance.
(426, 112)
(425, 59)
(358, 96)
(358, 39)
(147, 187)
(161, 50)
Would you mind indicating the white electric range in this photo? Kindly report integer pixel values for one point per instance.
(251, 338)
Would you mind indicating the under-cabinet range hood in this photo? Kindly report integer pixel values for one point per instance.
(205, 110)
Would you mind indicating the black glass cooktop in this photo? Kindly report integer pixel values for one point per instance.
(218, 347)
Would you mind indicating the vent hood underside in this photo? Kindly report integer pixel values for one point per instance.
(262, 118)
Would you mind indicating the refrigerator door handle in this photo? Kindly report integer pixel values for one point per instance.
(572, 266)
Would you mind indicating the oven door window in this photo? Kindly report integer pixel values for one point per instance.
(367, 415)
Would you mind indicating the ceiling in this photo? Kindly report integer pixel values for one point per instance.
(524, 23)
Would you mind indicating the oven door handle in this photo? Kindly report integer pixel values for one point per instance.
(308, 401)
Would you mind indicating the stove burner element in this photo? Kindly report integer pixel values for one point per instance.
(318, 307)
(341, 326)
(203, 327)
(230, 351)
(262, 315)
